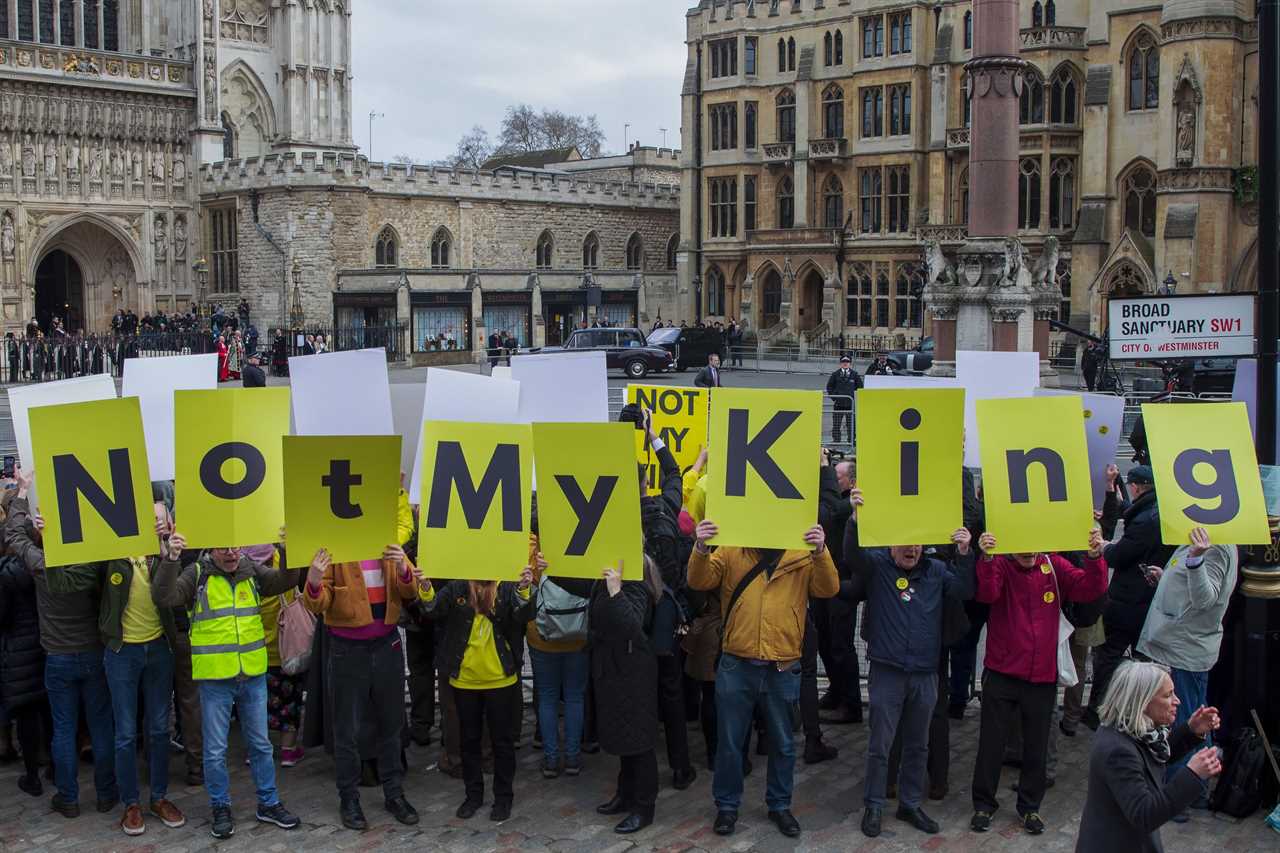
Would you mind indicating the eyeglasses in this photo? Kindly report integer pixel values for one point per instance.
(228, 551)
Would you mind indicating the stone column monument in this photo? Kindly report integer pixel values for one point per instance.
(982, 296)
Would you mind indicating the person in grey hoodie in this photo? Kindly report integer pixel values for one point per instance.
(1183, 630)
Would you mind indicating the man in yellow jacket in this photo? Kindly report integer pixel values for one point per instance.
(765, 594)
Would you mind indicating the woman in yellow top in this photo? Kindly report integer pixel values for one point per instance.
(481, 618)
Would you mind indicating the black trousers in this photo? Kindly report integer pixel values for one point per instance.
(1122, 636)
(1004, 700)
(809, 681)
(938, 765)
(35, 733)
(367, 680)
(841, 417)
(638, 781)
(475, 707)
(671, 708)
(707, 717)
(421, 649)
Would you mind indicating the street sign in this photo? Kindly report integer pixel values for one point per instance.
(1159, 328)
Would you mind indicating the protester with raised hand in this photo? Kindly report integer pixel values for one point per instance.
(904, 591)
(762, 590)
(1026, 592)
(480, 618)
(361, 603)
(1128, 798)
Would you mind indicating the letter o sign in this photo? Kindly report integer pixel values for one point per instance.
(255, 470)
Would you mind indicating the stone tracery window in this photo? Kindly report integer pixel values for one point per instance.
(786, 204)
(245, 20)
(545, 251)
(635, 252)
(591, 252)
(672, 245)
(1144, 73)
(1062, 193)
(833, 112)
(786, 103)
(1126, 280)
(1138, 188)
(1029, 193)
(1031, 103)
(833, 203)
(441, 244)
(715, 292)
(386, 250)
(1062, 97)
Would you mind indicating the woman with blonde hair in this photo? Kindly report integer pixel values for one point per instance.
(1128, 799)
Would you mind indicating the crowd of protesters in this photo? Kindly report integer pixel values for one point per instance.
(168, 645)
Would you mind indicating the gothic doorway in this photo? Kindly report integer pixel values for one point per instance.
(770, 300)
(810, 301)
(59, 292)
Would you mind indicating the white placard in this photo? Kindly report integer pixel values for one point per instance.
(341, 393)
(153, 381)
(898, 382)
(562, 388)
(1103, 425)
(406, 413)
(456, 395)
(992, 375)
(1245, 390)
(1217, 325)
(83, 389)
(500, 371)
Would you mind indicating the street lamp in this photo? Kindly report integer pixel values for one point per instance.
(295, 311)
(1170, 284)
(372, 115)
(201, 269)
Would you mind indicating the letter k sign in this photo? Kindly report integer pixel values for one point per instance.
(754, 451)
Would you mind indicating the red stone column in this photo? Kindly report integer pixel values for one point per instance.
(1004, 331)
(995, 81)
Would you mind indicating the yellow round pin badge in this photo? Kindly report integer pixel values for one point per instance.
(1044, 568)
(902, 583)
(117, 579)
(1048, 598)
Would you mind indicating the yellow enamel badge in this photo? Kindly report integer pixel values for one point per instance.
(1048, 598)
(902, 583)
(116, 579)
(1044, 568)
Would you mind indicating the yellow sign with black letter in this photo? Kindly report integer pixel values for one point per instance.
(679, 418)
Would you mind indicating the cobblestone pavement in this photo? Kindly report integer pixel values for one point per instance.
(559, 815)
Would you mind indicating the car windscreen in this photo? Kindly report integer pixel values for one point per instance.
(630, 339)
(664, 336)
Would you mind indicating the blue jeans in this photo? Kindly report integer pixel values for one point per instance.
(151, 666)
(69, 680)
(249, 695)
(1192, 690)
(741, 685)
(554, 672)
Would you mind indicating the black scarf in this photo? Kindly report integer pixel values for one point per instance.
(1156, 742)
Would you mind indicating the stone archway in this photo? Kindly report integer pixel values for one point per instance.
(106, 258)
(809, 309)
(59, 292)
(770, 299)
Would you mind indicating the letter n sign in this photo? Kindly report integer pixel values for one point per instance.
(762, 484)
(91, 464)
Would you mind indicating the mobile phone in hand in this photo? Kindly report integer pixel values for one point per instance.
(9, 463)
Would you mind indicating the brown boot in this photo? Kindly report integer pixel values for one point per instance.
(132, 822)
(168, 813)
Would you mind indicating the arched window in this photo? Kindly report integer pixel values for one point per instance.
(968, 30)
(782, 55)
(839, 39)
(1031, 104)
(672, 245)
(1138, 188)
(1126, 280)
(1029, 193)
(771, 300)
(828, 54)
(1037, 14)
(715, 292)
(441, 243)
(966, 101)
(228, 138)
(833, 203)
(1050, 14)
(546, 250)
(386, 250)
(786, 103)
(1144, 73)
(791, 54)
(1062, 193)
(1064, 284)
(635, 253)
(591, 252)
(907, 288)
(961, 215)
(833, 112)
(1062, 97)
(786, 204)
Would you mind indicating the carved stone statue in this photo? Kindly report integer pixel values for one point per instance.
(6, 159)
(117, 164)
(28, 157)
(8, 242)
(73, 158)
(1185, 148)
(1012, 263)
(180, 237)
(210, 88)
(50, 161)
(136, 162)
(208, 19)
(157, 165)
(95, 162)
(1046, 268)
(161, 238)
(941, 271)
(179, 166)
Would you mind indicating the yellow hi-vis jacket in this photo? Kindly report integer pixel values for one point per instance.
(227, 638)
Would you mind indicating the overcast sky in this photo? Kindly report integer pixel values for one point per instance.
(436, 67)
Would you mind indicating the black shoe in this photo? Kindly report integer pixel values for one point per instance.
(871, 818)
(726, 822)
(64, 808)
(468, 809)
(615, 806)
(224, 825)
(500, 811)
(550, 768)
(420, 737)
(106, 805)
(278, 815)
(938, 792)
(634, 822)
(829, 702)
(682, 779)
(1090, 719)
(1067, 731)
(980, 822)
(401, 810)
(1032, 823)
(917, 818)
(591, 747)
(786, 823)
(31, 784)
(352, 815)
(817, 751)
(846, 715)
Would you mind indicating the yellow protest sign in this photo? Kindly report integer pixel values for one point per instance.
(913, 481)
(1206, 472)
(229, 479)
(340, 493)
(588, 499)
(680, 419)
(762, 486)
(476, 493)
(91, 463)
(1035, 473)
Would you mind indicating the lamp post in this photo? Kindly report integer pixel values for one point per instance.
(296, 316)
(201, 269)
(372, 115)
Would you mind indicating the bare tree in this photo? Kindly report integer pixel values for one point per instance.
(521, 130)
(406, 159)
(473, 149)
(524, 129)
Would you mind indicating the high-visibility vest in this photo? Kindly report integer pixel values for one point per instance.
(227, 638)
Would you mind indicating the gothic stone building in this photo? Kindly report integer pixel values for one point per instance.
(107, 110)
(826, 142)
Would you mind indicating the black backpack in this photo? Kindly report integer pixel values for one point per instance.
(1239, 789)
(663, 542)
